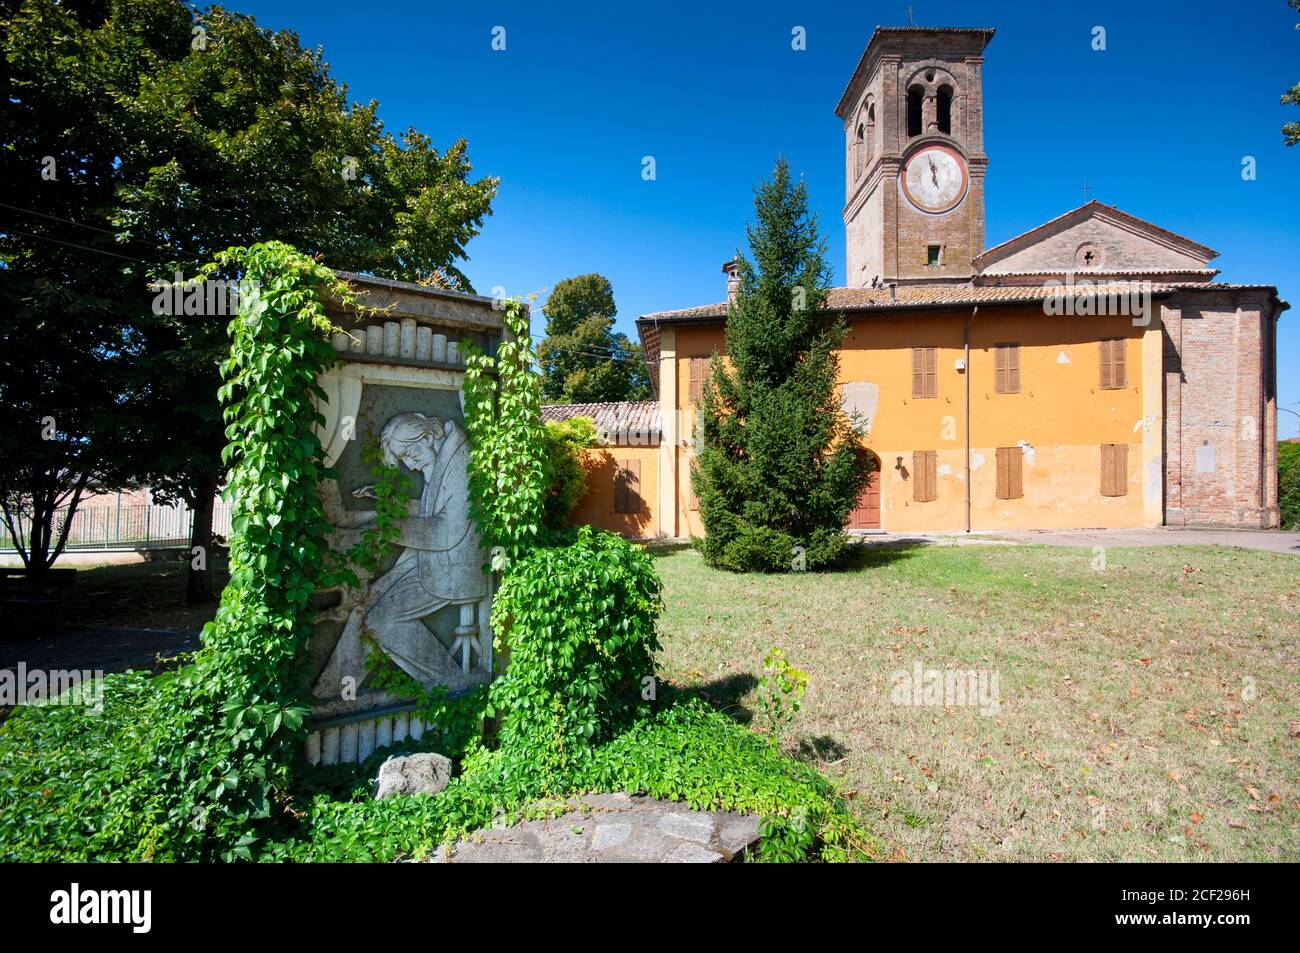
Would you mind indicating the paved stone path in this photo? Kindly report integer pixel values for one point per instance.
(614, 828)
(1275, 541)
(1269, 540)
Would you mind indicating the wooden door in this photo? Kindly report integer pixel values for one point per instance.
(866, 515)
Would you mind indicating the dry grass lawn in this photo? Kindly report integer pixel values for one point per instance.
(1149, 711)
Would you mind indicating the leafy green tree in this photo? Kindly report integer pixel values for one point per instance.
(66, 351)
(778, 467)
(583, 359)
(566, 478)
(1291, 130)
(1288, 484)
(176, 134)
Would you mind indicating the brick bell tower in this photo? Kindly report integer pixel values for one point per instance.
(913, 118)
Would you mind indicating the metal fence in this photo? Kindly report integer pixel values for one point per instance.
(127, 527)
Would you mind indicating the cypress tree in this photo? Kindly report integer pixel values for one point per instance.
(778, 468)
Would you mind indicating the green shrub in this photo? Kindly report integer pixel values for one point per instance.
(747, 547)
(1288, 484)
(780, 692)
(566, 478)
(578, 625)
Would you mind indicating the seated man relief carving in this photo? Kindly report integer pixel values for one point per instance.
(441, 563)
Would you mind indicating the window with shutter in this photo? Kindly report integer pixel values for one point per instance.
(924, 476)
(1119, 363)
(1114, 469)
(627, 487)
(925, 372)
(1006, 364)
(1010, 484)
(698, 370)
(1114, 370)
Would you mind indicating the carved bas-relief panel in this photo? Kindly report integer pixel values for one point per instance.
(425, 609)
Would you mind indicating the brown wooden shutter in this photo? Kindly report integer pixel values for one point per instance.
(1114, 469)
(699, 368)
(918, 372)
(627, 487)
(1010, 481)
(1006, 363)
(924, 476)
(1114, 363)
(931, 372)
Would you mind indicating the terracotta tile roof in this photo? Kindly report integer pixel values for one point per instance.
(910, 296)
(634, 422)
(991, 278)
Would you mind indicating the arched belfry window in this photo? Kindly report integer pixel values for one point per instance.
(864, 138)
(915, 97)
(944, 104)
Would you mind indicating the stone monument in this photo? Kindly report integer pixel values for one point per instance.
(399, 385)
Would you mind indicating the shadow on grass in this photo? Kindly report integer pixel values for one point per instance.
(872, 554)
(667, 547)
(723, 694)
(822, 749)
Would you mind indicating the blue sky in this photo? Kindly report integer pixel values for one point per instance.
(1157, 124)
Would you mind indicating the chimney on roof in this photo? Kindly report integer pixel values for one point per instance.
(732, 271)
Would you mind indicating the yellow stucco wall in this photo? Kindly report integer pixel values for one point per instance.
(597, 505)
(1060, 418)
(691, 342)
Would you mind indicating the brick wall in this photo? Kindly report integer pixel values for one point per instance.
(1220, 408)
(887, 238)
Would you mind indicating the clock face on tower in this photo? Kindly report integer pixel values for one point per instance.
(934, 179)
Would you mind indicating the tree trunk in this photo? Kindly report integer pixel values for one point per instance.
(198, 583)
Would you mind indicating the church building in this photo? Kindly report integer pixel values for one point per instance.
(1089, 373)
